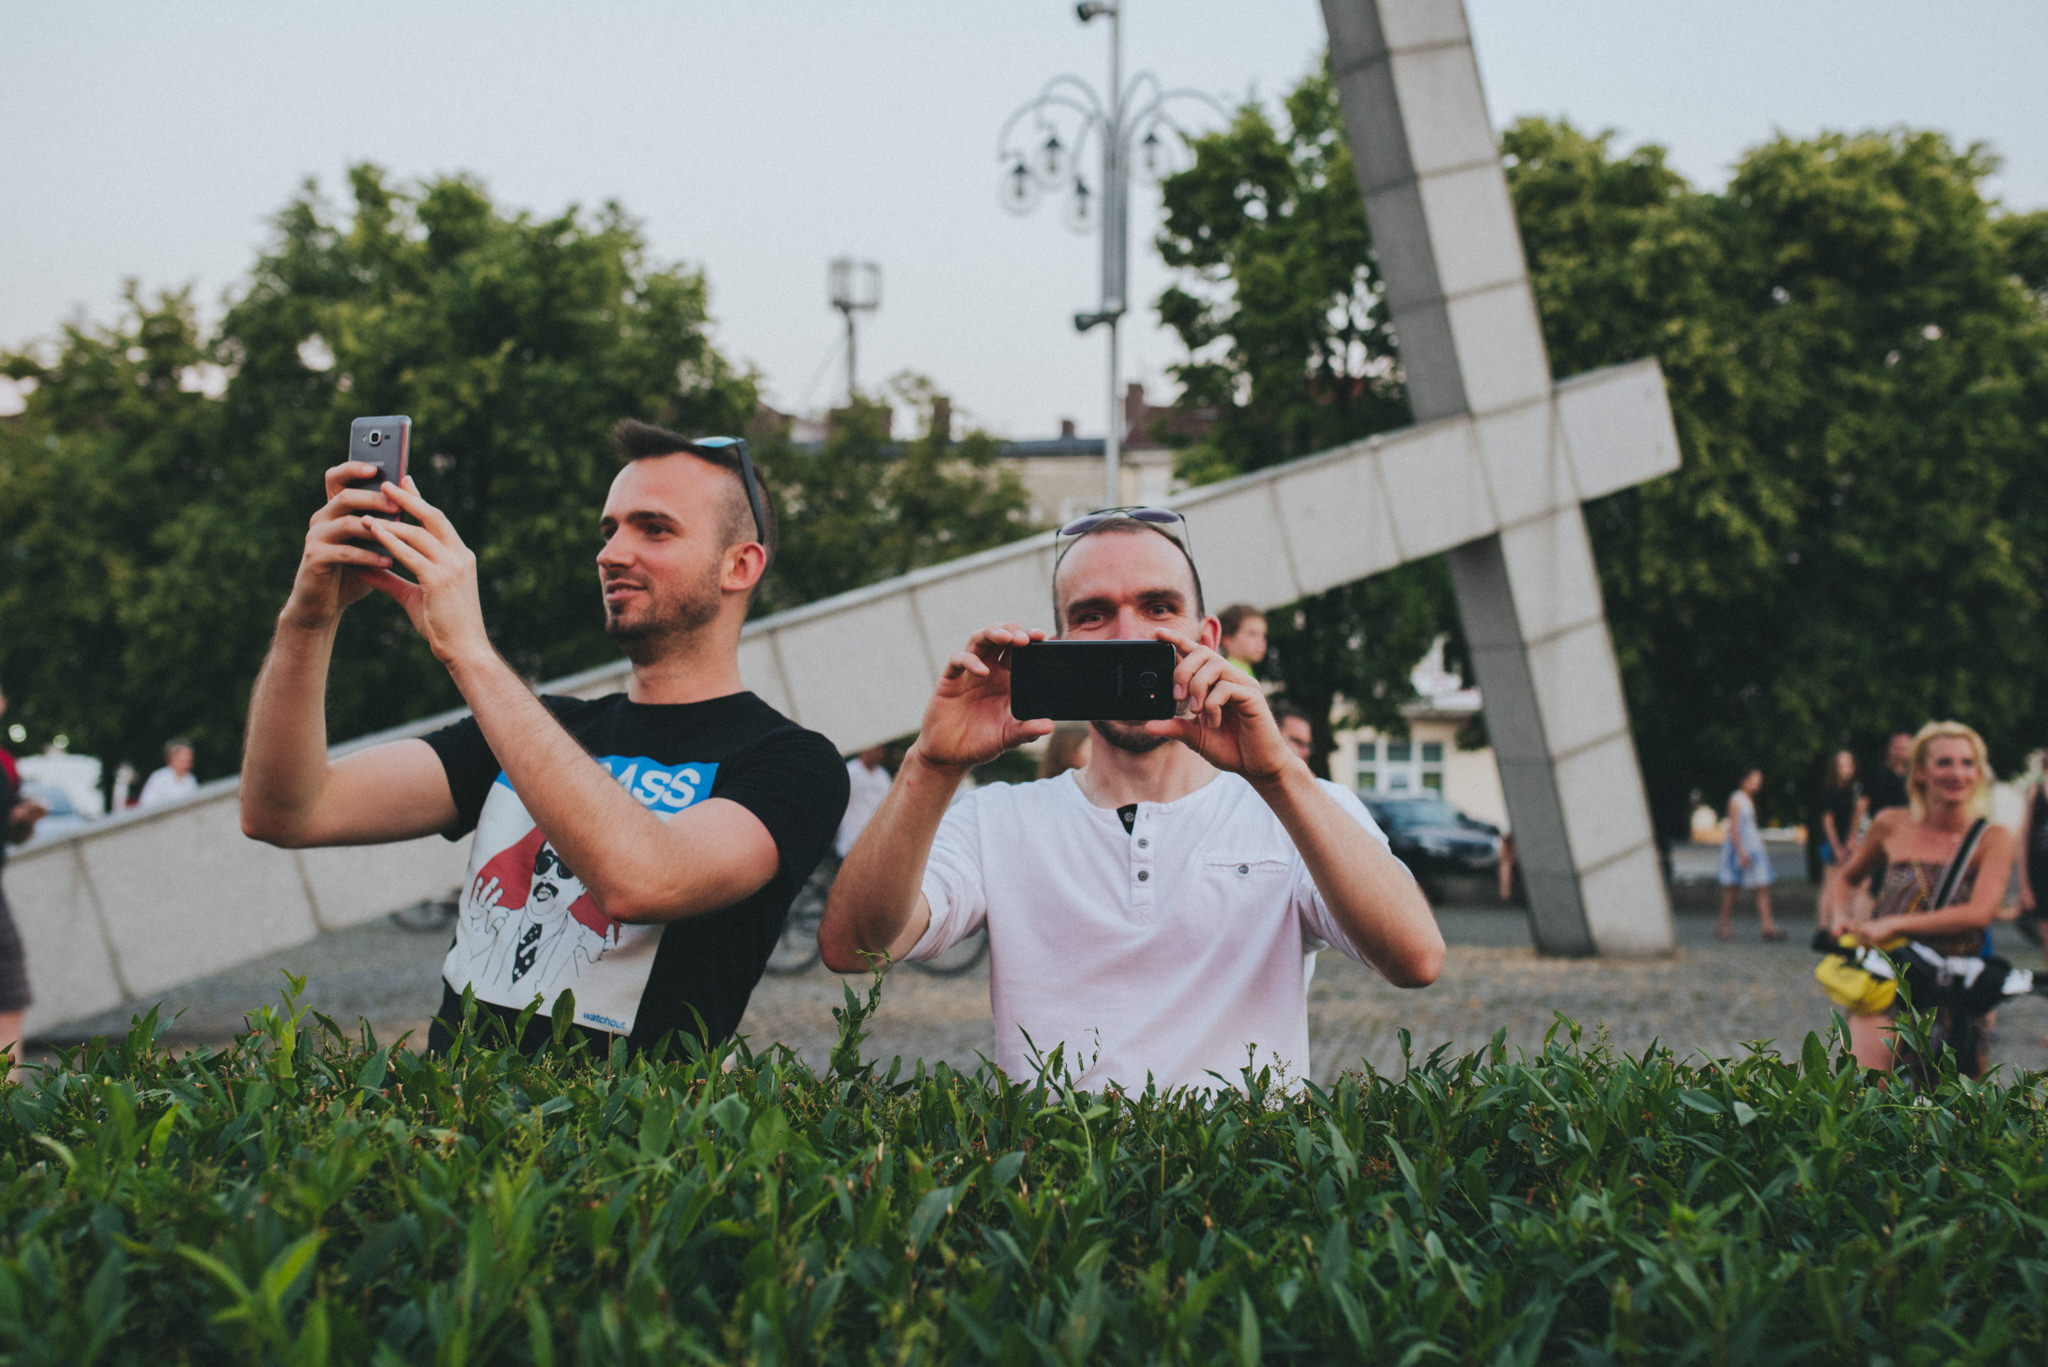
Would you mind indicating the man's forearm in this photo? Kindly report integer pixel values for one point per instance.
(618, 849)
(284, 758)
(875, 895)
(1369, 892)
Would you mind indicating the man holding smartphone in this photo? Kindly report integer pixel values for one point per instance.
(1157, 913)
(639, 850)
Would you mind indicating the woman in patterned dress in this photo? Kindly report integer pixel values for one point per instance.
(1948, 788)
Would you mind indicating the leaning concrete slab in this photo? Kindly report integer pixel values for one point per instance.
(1458, 289)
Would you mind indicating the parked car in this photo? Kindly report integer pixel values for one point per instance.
(63, 817)
(1432, 837)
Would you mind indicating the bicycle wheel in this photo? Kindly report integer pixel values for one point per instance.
(961, 958)
(796, 949)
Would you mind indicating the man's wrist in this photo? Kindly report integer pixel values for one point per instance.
(476, 664)
(303, 620)
(1289, 777)
(919, 760)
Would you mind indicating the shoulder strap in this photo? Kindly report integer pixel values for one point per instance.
(1945, 891)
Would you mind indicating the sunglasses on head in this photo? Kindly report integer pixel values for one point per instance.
(1165, 521)
(716, 447)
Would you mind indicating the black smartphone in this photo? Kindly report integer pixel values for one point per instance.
(1092, 681)
(384, 443)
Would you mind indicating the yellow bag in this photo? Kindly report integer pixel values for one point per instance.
(1852, 986)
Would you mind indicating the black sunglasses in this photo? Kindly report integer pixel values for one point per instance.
(1165, 521)
(717, 446)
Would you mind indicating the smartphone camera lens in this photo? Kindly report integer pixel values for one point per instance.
(376, 438)
(1148, 682)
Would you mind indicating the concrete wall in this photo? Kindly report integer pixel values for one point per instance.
(145, 900)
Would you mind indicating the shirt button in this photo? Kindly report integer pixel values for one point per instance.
(1244, 868)
(1143, 843)
(1144, 874)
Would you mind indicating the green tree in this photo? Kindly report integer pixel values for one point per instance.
(154, 494)
(860, 507)
(1286, 329)
(151, 530)
(1857, 352)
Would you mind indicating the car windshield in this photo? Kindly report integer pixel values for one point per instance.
(1425, 811)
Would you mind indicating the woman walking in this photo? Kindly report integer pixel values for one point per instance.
(1948, 789)
(1842, 806)
(1744, 861)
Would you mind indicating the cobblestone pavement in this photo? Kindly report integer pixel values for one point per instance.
(1708, 998)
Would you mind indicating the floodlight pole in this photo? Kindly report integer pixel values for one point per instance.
(1137, 110)
(855, 287)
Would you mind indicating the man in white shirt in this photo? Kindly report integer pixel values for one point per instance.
(1155, 915)
(175, 780)
(867, 783)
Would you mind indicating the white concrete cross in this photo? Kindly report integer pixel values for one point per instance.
(1458, 289)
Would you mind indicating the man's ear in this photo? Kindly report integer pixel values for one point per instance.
(1212, 632)
(745, 563)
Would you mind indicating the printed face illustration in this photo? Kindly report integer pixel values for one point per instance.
(546, 865)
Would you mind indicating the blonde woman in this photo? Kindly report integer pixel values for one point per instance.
(1948, 789)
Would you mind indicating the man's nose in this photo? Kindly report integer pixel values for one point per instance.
(611, 552)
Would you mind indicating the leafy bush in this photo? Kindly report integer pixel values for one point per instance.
(306, 1197)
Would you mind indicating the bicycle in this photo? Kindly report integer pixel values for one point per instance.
(796, 948)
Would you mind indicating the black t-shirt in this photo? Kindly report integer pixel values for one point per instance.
(1886, 789)
(527, 928)
(10, 793)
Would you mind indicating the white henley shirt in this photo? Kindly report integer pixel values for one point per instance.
(1181, 951)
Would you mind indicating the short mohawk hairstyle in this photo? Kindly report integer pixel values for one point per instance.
(635, 440)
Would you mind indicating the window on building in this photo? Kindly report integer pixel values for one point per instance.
(1391, 765)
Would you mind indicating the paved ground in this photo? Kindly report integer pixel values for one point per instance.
(1708, 998)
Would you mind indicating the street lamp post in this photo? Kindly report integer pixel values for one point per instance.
(1132, 119)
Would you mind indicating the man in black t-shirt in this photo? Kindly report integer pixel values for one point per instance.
(1887, 788)
(639, 850)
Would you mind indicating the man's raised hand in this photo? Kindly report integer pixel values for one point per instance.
(442, 598)
(1223, 715)
(968, 720)
(336, 569)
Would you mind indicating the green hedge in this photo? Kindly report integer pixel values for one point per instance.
(306, 1197)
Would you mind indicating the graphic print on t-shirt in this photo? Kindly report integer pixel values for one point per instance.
(529, 929)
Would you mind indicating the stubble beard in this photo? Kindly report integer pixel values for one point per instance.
(665, 621)
(1129, 736)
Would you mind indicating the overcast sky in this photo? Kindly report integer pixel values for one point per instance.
(757, 141)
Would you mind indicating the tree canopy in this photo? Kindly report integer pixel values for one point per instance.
(155, 491)
(1856, 345)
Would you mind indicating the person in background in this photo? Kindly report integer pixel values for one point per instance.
(1948, 785)
(2033, 838)
(1244, 637)
(1887, 789)
(1067, 748)
(1744, 861)
(175, 781)
(1842, 809)
(867, 783)
(1296, 731)
(20, 817)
